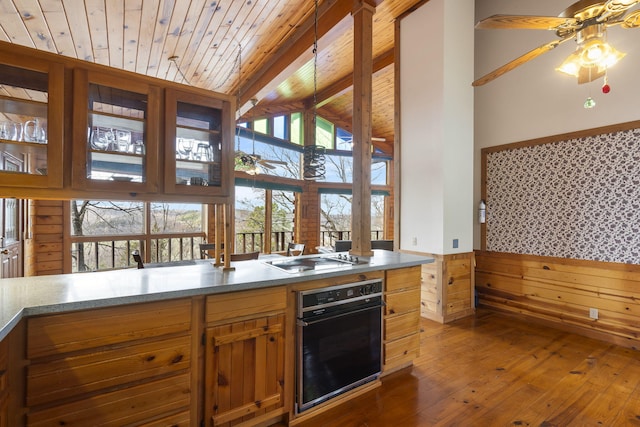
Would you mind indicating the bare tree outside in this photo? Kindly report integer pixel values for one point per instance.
(335, 208)
(112, 219)
(93, 218)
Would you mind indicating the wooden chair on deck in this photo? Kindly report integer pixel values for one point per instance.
(206, 247)
(245, 257)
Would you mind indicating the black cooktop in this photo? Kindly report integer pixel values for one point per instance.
(299, 265)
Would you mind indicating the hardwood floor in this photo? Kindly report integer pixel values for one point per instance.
(496, 370)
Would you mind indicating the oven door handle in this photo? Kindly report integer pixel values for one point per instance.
(302, 322)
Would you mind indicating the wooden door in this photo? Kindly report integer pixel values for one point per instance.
(11, 261)
(245, 370)
(10, 238)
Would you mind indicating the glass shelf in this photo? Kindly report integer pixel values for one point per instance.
(24, 134)
(116, 134)
(198, 143)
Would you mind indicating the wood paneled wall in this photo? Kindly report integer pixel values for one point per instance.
(561, 292)
(447, 288)
(45, 234)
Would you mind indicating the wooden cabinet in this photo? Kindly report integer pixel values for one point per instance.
(401, 318)
(12, 378)
(4, 391)
(244, 358)
(198, 144)
(31, 121)
(115, 133)
(121, 365)
(71, 129)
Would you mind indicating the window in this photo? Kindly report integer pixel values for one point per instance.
(296, 129)
(335, 212)
(344, 140)
(252, 219)
(105, 233)
(335, 218)
(280, 127)
(261, 125)
(282, 211)
(324, 133)
(249, 219)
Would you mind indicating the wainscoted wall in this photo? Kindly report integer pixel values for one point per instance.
(562, 235)
(44, 247)
(447, 287)
(561, 292)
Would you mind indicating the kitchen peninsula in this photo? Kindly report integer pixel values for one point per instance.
(179, 345)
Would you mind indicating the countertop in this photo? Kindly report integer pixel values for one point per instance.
(29, 296)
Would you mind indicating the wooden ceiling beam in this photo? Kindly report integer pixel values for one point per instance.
(325, 96)
(330, 13)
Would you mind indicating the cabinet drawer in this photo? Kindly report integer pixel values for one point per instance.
(402, 302)
(73, 376)
(403, 278)
(122, 407)
(248, 303)
(401, 326)
(183, 419)
(3, 366)
(61, 333)
(402, 350)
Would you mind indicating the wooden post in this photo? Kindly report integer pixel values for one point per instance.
(226, 215)
(268, 226)
(217, 235)
(362, 102)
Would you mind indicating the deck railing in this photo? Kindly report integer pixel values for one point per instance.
(94, 253)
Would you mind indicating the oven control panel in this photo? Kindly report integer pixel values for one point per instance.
(343, 293)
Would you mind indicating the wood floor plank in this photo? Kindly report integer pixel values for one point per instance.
(494, 369)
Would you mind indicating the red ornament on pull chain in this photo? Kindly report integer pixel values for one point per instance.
(605, 87)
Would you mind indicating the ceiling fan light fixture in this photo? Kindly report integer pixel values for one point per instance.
(594, 53)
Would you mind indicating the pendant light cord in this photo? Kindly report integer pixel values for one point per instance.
(315, 63)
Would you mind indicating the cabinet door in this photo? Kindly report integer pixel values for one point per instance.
(4, 393)
(31, 121)
(245, 370)
(115, 133)
(198, 145)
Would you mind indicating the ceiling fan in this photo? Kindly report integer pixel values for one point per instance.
(586, 21)
(251, 163)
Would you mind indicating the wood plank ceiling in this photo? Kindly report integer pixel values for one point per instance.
(255, 49)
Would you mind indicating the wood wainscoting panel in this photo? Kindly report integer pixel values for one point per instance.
(563, 292)
(447, 287)
(44, 243)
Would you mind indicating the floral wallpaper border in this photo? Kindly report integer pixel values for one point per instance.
(578, 198)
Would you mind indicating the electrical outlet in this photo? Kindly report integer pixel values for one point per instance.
(593, 313)
(414, 241)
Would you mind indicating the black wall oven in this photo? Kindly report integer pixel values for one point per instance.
(339, 336)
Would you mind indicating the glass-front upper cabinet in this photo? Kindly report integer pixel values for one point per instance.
(115, 133)
(31, 122)
(197, 147)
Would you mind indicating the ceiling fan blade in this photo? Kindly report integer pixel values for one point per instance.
(514, 22)
(632, 20)
(275, 162)
(615, 7)
(266, 165)
(520, 60)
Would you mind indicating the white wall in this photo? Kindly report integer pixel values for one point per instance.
(436, 147)
(534, 100)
